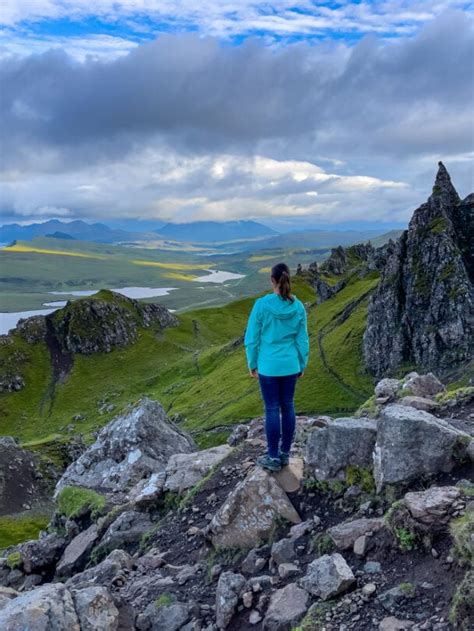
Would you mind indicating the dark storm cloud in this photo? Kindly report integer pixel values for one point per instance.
(411, 96)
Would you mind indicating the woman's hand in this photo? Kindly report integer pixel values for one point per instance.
(254, 373)
(301, 374)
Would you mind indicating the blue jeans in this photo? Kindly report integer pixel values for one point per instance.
(277, 394)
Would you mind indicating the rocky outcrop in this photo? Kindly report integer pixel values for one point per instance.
(133, 446)
(96, 324)
(412, 443)
(422, 311)
(250, 512)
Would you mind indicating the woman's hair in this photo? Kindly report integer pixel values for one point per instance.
(281, 275)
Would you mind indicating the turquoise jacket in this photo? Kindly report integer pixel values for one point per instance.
(276, 339)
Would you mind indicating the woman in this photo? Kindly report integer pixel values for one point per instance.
(277, 349)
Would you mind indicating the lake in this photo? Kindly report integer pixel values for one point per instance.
(218, 276)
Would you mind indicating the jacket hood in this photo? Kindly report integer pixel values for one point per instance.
(279, 307)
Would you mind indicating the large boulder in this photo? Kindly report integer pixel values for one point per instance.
(346, 441)
(185, 470)
(287, 606)
(131, 447)
(46, 608)
(250, 512)
(328, 576)
(411, 443)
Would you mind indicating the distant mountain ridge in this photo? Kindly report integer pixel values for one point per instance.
(77, 229)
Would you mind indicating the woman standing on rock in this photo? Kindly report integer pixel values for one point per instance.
(277, 347)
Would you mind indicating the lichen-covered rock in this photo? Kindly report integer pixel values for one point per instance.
(345, 441)
(422, 311)
(419, 403)
(148, 490)
(328, 576)
(185, 470)
(411, 443)
(250, 512)
(46, 608)
(387, 388)
(287, 606)
(131, 447)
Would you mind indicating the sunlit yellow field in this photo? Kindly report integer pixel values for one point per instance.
(25, 248)
(256, 259)
(178, 276)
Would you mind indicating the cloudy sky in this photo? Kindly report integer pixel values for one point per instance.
(299, 114)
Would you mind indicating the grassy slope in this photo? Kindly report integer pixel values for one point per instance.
(193, 371)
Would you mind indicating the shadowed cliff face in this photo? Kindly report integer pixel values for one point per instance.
(422, 312)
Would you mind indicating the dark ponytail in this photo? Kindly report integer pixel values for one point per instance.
(281, 275)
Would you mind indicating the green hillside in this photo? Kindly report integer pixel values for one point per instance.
(197, 370)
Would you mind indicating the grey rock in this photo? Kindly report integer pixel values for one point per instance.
(75, 555)
(390, 623)
(253, 562)
(41, 554)
(434, 506)
(96, 609)
(372, 567)
(346, 533)
(285, 570)
(287, 606)
(237, 435)
(393, 599)
(423, 386)
(104, 573)
(185, 470)
(387, 388)
(250, 512)
(46, 608)
(411, 443)
(127, 529)
(422, 310)
(131, 447)
(230, 587)
(346, 441)
(283, 551)
(419, 403)
(148, 490)
(328, 576)
(165, 617)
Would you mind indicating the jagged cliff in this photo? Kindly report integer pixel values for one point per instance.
(422, 311)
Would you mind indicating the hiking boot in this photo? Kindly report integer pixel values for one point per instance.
(271, 464)
(284, 459)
